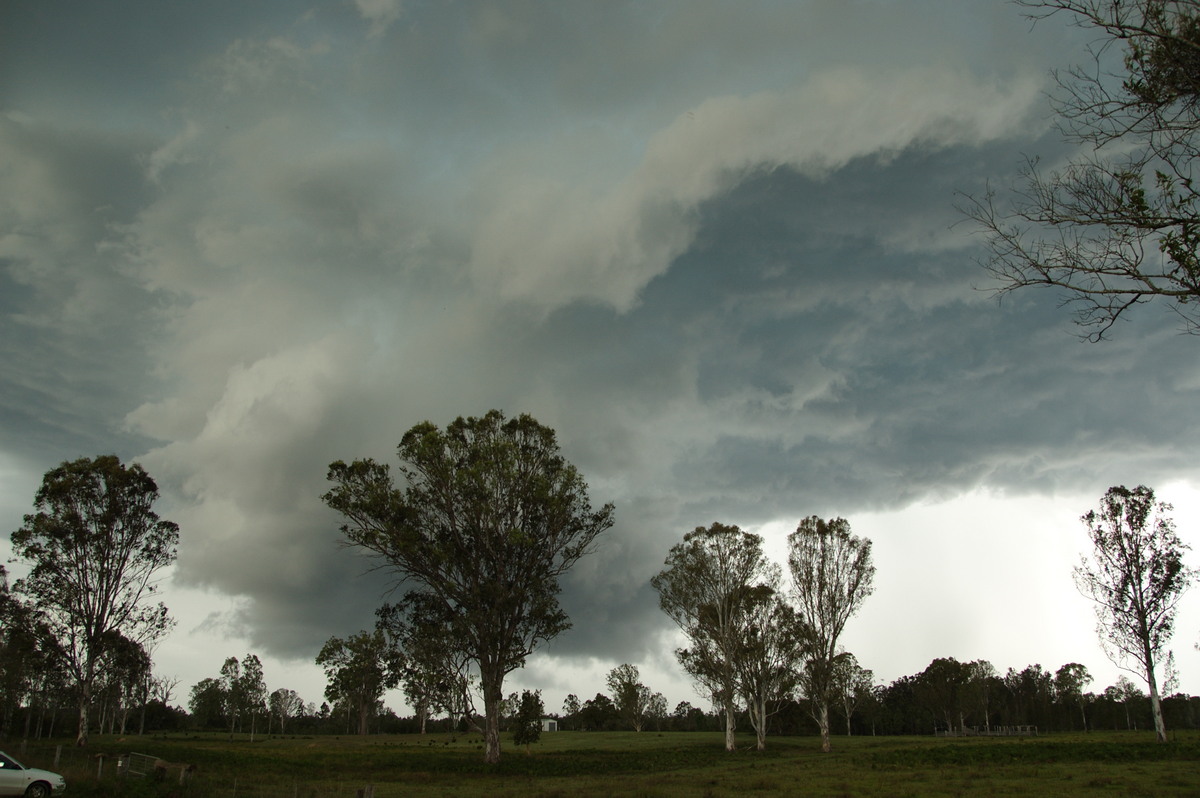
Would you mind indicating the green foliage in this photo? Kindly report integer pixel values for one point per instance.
(708, 587)
(94, 545)
(527, 722)
(359, 670)
(490, 518)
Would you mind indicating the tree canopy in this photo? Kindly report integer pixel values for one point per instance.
(94, 545)
(708, 587)
(832, 575)
(359, 669)
(490, 518)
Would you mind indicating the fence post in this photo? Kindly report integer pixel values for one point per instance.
(99, 766)
(57, 755)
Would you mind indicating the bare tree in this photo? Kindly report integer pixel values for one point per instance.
(831, 576)
(1136, 576)
(1120, 223)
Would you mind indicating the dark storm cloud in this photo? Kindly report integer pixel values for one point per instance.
(74, 326)
(804, 360)
(713, 246)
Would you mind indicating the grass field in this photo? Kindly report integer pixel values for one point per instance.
(579, 765)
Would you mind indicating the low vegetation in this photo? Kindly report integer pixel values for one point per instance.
(581, 764)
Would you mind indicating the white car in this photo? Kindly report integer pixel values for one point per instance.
(16, 779)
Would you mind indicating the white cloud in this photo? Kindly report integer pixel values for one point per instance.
(380, 13)
(551, 241)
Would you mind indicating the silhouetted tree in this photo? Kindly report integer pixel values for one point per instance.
(1119, 224)
(1136, 576)
(94, 545)
(491, 517)
(831, 576)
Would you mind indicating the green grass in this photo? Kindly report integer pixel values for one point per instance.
(580, 765)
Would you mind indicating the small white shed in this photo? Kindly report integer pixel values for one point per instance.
(549, 724)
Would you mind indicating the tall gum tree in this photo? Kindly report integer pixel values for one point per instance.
(1136, 576)
(708, 588)
(94, 545)
(490, 518)
(832, 575)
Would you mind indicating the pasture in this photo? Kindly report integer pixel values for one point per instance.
(582, 764)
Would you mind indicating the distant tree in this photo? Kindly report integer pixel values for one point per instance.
(231, 692)
(683, 716)
(527, 721)
(1069, 683)
(253, 691)
(851, 685)
(630, 695)
(359, 669)
(1136, 576)
(571, 707)
(491, 518)
(1120, 223)
(1125, 693)
(1030, 693)
(657, 710)
(437, 675)
(940, 688)
(94, 545)
(284, 704)
(122, 685)
(599, 713)
(706, 588)
(207, 703)
(976, 693)
(831, 577)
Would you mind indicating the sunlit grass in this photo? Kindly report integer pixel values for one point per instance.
(580, 765)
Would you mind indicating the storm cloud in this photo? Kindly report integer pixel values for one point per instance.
(715, 246)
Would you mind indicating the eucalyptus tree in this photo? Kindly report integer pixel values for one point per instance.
(94, 546)
(358, 670)
(707, 588)
(284, 704)
(1069, 683)
(491, 517)
(769, 663)
(630, 695)
(831, 577)
(852, 685)
(436, 673)
(1136, 576)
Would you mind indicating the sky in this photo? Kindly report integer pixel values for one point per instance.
(714, 245)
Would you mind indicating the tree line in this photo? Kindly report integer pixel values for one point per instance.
(487, 519)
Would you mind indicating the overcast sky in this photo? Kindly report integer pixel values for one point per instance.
(713, 244)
